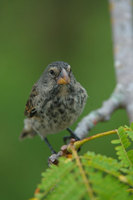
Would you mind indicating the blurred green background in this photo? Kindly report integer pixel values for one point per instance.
(32, 35)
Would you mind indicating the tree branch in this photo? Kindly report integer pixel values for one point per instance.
(122, 97)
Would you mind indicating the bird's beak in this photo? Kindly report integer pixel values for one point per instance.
(63, 78)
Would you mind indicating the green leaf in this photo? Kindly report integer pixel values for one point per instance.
(92, 176)
(102, 163)
(65, 181)
(122, 155)
(131, 126)
(123, 138)
(107, 187)
(53, 179)
(121, 150)
(115, 141)
(130, 134)
(130, 155)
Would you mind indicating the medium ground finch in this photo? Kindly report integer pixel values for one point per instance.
(55, 102)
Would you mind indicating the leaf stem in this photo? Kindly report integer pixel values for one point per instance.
(85, 179)
(79, 143)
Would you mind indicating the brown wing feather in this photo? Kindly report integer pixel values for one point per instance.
(30, 109)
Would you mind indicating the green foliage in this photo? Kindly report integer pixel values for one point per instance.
(92, 176)
(125, 155)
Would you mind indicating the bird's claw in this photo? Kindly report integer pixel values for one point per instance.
(72, 134)
(65, 138)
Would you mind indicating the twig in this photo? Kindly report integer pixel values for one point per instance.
(66, 150)
(116, 101)
(122, 27)
(79, 143)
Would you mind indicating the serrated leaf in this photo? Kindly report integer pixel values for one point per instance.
(121, 150)
(123, 138)
(102, 163)
(130, 134)
(122, 156)
(130, 155)
(107, 187)
(65, 182)
(103, 177)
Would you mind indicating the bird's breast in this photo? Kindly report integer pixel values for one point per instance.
(63, 110)
(60, 111)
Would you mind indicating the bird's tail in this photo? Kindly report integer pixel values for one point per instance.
(24, 134)
(27, 131)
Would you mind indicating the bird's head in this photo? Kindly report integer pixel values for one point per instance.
(58, 73)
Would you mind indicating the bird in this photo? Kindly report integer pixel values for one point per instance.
(54, 104)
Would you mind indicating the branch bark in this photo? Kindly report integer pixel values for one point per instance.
(122, 97)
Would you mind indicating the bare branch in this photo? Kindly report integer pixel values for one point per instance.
(122, 27)
(122, 97)
(116, 101)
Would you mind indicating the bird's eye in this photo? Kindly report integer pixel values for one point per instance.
(52, 72)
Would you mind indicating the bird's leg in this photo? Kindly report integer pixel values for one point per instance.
(65, 138)
(72, 134)
(49, 145)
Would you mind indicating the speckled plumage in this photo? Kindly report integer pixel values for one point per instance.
(53, 107)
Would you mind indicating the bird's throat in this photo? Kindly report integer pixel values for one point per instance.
(63, 91)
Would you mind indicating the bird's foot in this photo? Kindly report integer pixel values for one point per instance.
(73, 134)
(66, 138)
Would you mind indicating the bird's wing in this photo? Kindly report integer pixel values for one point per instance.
(30, 108)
